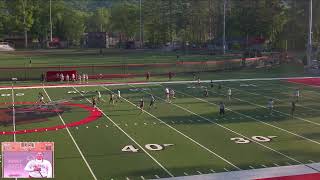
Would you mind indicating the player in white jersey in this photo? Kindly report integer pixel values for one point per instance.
(297, 94)
(167, 94)
(87, 78)
(172, 94)
(229, 93)
(79, 78)
(67, 78)
(39, 167)
(99, 96)
(73, 77)
(84, 78)
(61, 77)
(270, 105)
(118, 96)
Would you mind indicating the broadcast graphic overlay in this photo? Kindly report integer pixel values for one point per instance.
(27, 159)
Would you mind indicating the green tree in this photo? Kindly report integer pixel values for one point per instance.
(99, 20)
(73, 26)
(125, 20)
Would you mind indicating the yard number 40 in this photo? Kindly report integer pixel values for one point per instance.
(240, 140)
(150, 147)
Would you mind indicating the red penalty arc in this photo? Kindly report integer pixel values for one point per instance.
(94, 114)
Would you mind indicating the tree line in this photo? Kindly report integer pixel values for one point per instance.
(283, 23)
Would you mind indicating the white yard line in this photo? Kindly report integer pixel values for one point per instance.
(264, 107)
(184, 135)
(146, 83)
(133, 140)
(276, 127)
(209, 120)
(75, 143)
(228, 129)
(13, 116)
(257, 94)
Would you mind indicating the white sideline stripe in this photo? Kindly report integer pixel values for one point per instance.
(260, 173)
(74, 141)
(181, 133)
(159, 82)
(166, 170)
(13, 116)
(231, 129)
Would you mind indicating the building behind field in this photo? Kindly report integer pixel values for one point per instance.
(100, 40)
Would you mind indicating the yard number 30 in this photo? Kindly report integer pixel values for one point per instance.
(240, 140)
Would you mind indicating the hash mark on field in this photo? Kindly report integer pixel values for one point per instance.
(251, 167)
(142, 178)
(106, 126)
(145, 123)
(127, 178)
(87, 127)
(312, 161)
(154, 123)
(157, 176)
(212, 170)
(199, 172)
(186, 174)
(264, 166)
(97, 126)
(226, 169)
(276, 164)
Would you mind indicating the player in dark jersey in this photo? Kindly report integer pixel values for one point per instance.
(141, 105)
(152, 101)
(293, 108)
(211, 84)
(221, 109)
(111, 100)
(94, 103)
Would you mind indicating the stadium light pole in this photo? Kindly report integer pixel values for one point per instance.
(50, 22)
(141, 43)
(224, 27)
(309, 46)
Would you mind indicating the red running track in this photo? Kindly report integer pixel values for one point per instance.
(306, 81)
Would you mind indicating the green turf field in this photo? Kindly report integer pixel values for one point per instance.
(70, 57)
(184, 137)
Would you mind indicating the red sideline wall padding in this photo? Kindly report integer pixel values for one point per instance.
(54, 75)
(315, 176)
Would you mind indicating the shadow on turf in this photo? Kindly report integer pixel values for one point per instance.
(229, 117)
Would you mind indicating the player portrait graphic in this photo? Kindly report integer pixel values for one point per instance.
(28, 160)
(39, 167)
